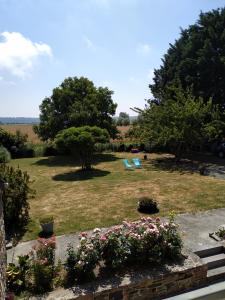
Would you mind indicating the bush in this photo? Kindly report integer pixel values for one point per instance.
(147, 205)
(15, 197)
(24, 151)
(35, 272)
(81, 141)
(4, 155)
(140, 242)
(16, 274)
(14, 143)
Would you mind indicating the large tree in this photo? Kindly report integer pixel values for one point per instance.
(81, 141)
(123, 119)
(180, 123)
(76, 102)
(196, 60)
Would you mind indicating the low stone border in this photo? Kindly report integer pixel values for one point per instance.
(145, 284)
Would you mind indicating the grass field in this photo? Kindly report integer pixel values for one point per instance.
(109, 194)
(25, 129)
(32, 137)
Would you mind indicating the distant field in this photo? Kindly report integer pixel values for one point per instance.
(24, 128)
(32, 137)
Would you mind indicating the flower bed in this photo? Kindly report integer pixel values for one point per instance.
(130, 244)
(145, 241)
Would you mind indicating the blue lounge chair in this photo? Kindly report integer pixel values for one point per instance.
(137, 163)
(127, 165)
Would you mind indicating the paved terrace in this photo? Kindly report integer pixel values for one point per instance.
(195, 229)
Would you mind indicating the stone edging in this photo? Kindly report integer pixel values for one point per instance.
(141, 284)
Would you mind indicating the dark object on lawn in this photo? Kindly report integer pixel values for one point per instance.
(47, 224)
(202, 170)
(147, 205)
(134, 150)
(145, 157)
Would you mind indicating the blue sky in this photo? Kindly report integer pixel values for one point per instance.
(115, 43)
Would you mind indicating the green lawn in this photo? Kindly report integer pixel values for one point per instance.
(109, 194)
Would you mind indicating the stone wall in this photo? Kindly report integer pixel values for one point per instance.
(2, 249)
(155, 283)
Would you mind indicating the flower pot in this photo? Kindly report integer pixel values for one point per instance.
(47, 227)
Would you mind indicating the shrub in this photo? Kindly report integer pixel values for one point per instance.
(147, 205)
(16, 274)
(14, 143)
(81, 264)
(221, 232)
(15, 197)
(41, 266)
(50, 150)
(23, 151)
(81, 141)
(4, 155)
(143, 241)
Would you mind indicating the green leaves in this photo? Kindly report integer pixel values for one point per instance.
(81, 141)
(196, 61)
(181, 123)
(75, 103)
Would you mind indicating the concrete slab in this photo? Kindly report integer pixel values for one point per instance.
(195, 229)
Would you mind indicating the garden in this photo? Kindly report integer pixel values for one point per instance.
(147, 242)
(73, 178)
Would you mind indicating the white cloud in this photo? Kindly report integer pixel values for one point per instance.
(88, 43)
(143, 49)
(18, 53)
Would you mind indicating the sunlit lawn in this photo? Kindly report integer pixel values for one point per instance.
(109, 194)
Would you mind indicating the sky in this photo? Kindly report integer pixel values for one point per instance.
(115, 43)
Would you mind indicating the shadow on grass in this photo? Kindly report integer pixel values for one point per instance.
(192, 163)
(66, 160)
(80, 175)
(170, 165)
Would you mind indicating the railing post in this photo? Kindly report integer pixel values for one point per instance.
(2, 246)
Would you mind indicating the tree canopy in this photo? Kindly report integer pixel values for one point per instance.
(123, 120)
(196, 60)
(76, 102)
(180, 124)
(81, 141)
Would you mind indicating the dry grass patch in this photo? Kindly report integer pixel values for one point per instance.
(23, 128)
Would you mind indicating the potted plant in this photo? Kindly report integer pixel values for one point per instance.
(47, 224)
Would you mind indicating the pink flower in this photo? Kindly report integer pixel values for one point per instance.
(103, 238)
(84, 234)
(149, 219)
(157, 219)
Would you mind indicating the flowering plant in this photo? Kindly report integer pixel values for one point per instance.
(146, 240)
(42, 265)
